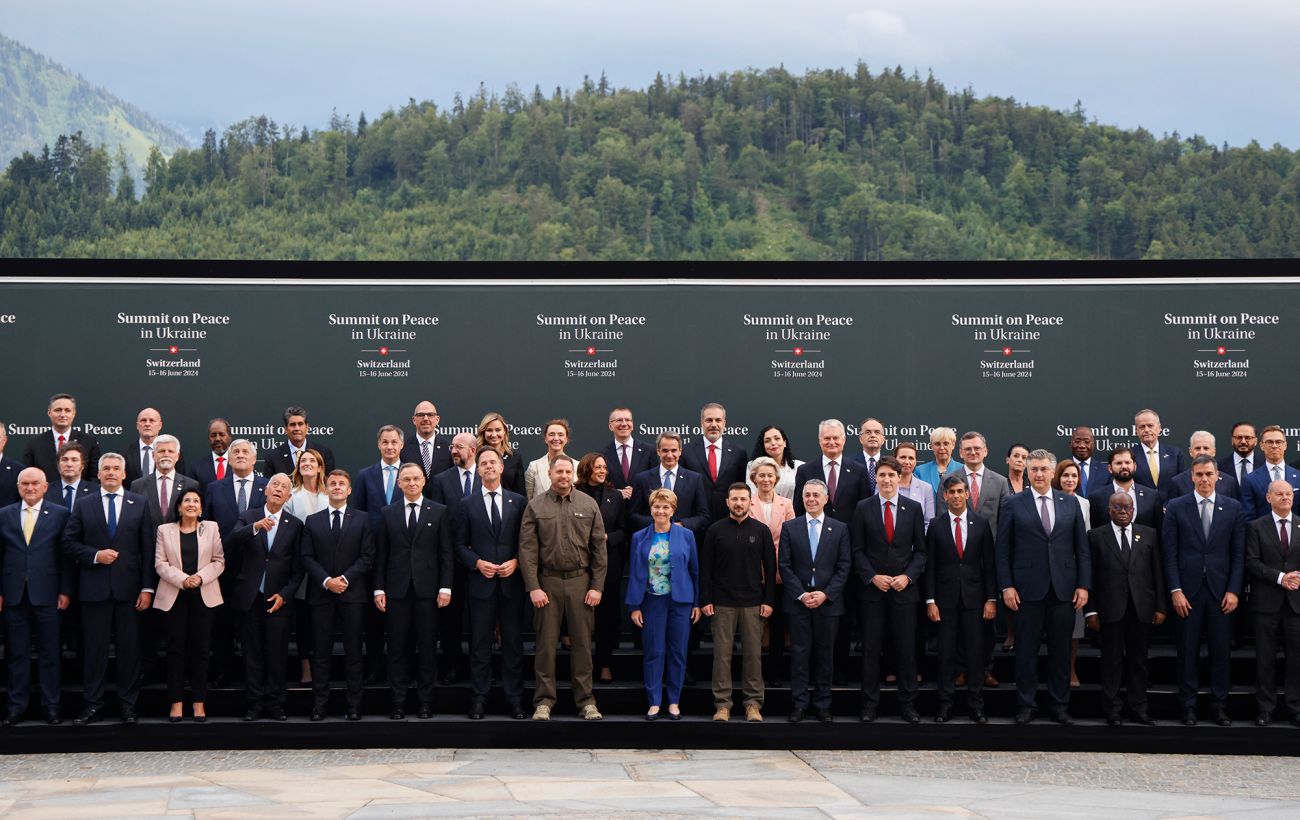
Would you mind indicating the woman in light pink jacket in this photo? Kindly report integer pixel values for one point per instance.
(189, 559)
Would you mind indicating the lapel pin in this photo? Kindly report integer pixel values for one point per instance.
(1137, 538)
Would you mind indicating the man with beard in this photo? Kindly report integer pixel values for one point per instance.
(1146, 501)
(216, 465)
(428, 448)
(1245, 457)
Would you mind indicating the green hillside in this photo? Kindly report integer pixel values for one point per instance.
(40, 100)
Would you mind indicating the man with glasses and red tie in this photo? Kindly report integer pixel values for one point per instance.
(626, 456)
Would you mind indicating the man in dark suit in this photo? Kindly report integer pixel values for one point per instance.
(1204, 545)
(140, 462)
(871, 435)
(164, 478)
(413, 577)
(427, 447)
(284, 458)
(461, 479)
(264, 546)
(1146, 501)
(1275, 468)
(43, 450)
(1245, 457)
(1273, 561)
(216, 465)
(1044, 571)
(814, 560)
(719, 461)
(376, 488)
(487, 544)
(70, 487)
(35, 585)
(337, 553)
(626, 456)
(450, 487)
(1127, 598)
(960, 594)
(111, 537)
(1092, 470)
(9, 470)
(888, 538)
(1202, 444)
(225, 501)
(692, 500)
(1156, 461)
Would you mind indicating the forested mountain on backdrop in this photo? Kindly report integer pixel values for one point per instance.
(756, 164)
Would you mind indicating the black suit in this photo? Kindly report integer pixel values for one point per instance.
(812, 631)
(851, 486)
(874, 553)
(54, 495)
(204, 470)
(960, 585)
(177, 484)
(640, 457)
(108, 592)
(1148, 511)
(9, 470)
(42, 452)
(609, 615)
(512, 472)
(1274, 607)
(493, 601)
(349, 552)
(732, 459)
(263, 572)
(1228, 464)
(280, 460)
(449, 490)
(439, 457)
(1128, 589)
(134, 463)
(411, 565)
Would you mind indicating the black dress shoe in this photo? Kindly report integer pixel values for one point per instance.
(797, 715)
(476, 709)
(674, 715)
(867, 715)
(128, 716)
(448, 677)
(12, 719)
(1113, 719)
(1221, 717)
(1063, 717)
(911, 715)
(1143, 718)
(426, 711)
(317, 714)
(979, 717)
(353, 714)
(1263, 719)
(653, 716)
(944, 715)
(52, 717)
(91, 714)
(825, 716)
(1189, 717)
(254, 713)
(516, 711)
(839, 679)
(1024, 716)
(397, 714)
(277, 713)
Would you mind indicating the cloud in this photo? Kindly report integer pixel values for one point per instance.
(875, 21)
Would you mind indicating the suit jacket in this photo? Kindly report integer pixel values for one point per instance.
(9, 470)
(851, 486)
(537, 477)
(133, 473)
(439, 460)
(204, 471)
(447, 489)
(1148, 513)
(1191, 560)
(221, 501)
(148, 487)
(1118, 579)
(861, 458)
(830, 570)
(350, 554)
(168, 563)
(1034, 562)
(475, 539)
(38, 572)
(874, 554)
(368, 493)
(280, 460)
(512, 473)
(54, 494)
(1098, 473)
(418, 563)
(1182, 484)
(683, 562)
(1265, 560)
(613, 512)
(42, 452)
(1228, 463)
(969, 581)
(1254, 501)
(1172, 462)
(731, 468)
(640, 457)
(134, 540)
(994, 491)
(282, 565)
(692, 501)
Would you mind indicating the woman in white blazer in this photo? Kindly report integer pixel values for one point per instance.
(189, 560)
(537, 478)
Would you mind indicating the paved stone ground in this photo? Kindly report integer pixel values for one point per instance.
(646, 783)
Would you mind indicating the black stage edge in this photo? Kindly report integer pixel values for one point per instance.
(621, 732)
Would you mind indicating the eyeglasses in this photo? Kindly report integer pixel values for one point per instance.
(425, 415)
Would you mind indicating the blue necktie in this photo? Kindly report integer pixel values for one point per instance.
(668, 480)
(270, 539)
(388, 484)
(814, 538)
(112, 516)
(468, 487)
(67, 495)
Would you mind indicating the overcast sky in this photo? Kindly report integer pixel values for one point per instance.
(1228, 71)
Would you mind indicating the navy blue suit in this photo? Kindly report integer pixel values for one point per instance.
(108, 592)
(32, 577)
(812, 631)
(1045, 570)
(9, 470)
(439, 458)
(692, 501)
(861, 458)
(1205, 570)
(1253, 501)
(851, 486)
(1098, 473)
(1148, 512)
(368, 492)
(54, 494)
(221, 501)
(204, 470)
(1182, 484)
(280, 460)
(42, 452)
(731, 468)
(1172, 462)
(640, 457)
(448, 489)
(493, 601)
(349, 553)
(1228, 464)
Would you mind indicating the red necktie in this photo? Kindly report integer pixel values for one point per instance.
(974, 491)
(889, 522)
(956, 536)
(713, 462)
(62, 440)
(221, 467)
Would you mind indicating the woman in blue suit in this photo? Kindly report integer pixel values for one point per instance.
(663, 594)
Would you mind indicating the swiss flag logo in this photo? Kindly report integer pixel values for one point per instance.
(798, 351)
(383, 351)
(173, 350)
(1222, 351)
(591, 351)
(1006, 351)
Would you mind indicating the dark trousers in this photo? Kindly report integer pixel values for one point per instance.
(374, 638)
(881, 613)
(485, 614)
(812, 656)
(189, 640)
(1124, 655)
(303, 634)
(1206, 617)
(116, 621)
(1054, 617)
(850, 624)
(664, 638)
(412, 625)
(774, 665)
(23, 622)
(962, 628)
(451, 623)
(350, 618)
(265, 639)
(610, 615)
(1267, 625)
(226, 628)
